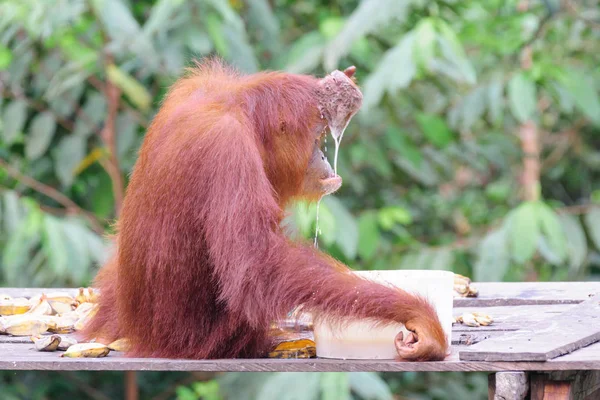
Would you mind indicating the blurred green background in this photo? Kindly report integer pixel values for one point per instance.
(477, 148)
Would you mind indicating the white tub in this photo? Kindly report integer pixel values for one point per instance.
(359, 340)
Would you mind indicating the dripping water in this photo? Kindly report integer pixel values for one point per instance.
(317, 230)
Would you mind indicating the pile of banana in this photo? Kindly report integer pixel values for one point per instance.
(48, 319)
(463, 288)
(474, 319)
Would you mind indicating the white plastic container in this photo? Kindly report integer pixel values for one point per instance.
(359, 340)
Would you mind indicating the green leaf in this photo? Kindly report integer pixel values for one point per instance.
(552, 230)
(592, 223)
(214, 27)
(54, 245)
(198, 40)
(14, 117)
(334, 386)
(395, 71)
(185, 393)
(5, 57)
(454, 53)
(585, 93)
(19, 246)
(78, 257)
(576, 241)
(399, 142)
(241, 53)
(390, 216)
(522, 97)
(67, 155)
(263, 21)
(369, 236)
(493, 257)
(160, 14)
(305, 54)
(136, 92)
(126, 126)
(523, 231)
(369, 16)
(495, 101)
(346, 227)
(94, 110)
(424, 45)
(13, 212)
(291, 386)
(41, 131)
(435, 130)
(369, 386)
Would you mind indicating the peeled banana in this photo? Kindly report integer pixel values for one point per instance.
(41, 308)
(24, 326)
(85, 318)
(87, 350)
(46, 343)
(14, 306)
(66, 342)
(60, 302)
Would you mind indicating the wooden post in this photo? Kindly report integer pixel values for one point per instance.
(508, 385)
(131, 386)
(565, 385)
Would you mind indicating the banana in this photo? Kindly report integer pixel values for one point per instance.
(61, 302)
(25, 327)
(88, 350)
(122, 344)
(63, 325)
(84, 308)
(81, 297)
(35, 299)
(66, 342)
(14, 306)
(46, 343)
(92, 297)
(469, 320)
(50, 320)
(41, 308)
(483, 318)
(81, 322)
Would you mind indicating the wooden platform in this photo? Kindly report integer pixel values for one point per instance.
(514, 306)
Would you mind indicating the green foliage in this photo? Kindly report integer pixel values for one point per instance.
(432, 164)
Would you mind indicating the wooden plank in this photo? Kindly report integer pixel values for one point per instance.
(544, 340)
(490, 293)
(529, 293)
(16, 356)
(511, 318)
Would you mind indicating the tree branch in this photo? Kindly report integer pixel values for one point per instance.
(53, 194)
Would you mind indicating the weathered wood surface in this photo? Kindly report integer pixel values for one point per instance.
(512, 305)
(490, 293)
(23, 357)
(529, 293)
(543, 340)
